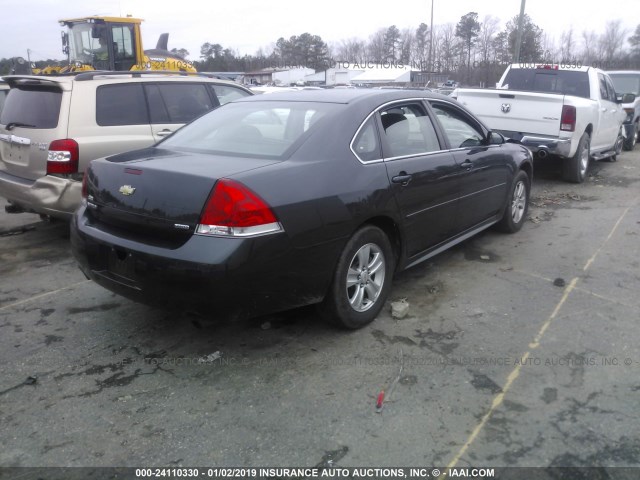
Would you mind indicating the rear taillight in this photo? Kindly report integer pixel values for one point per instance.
(234, 210)
(568, 118)
(62, 157)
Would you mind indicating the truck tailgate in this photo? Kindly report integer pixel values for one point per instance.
(515, 111)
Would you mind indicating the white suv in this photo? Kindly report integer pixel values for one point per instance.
(52, 127)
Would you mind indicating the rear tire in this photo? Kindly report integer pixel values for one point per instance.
(517, 207)
(362, 280)
(630, 143)
(575, 168)
(617, 148)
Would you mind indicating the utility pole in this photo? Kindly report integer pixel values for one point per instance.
(519, 36)
(429, 64)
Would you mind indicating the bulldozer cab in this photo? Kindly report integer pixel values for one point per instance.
(101, 43)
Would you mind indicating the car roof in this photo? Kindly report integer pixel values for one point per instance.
(115, 77)
(624, 72)
(345, 96)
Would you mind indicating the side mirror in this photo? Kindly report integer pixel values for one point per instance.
(496, 138)
(626, 98)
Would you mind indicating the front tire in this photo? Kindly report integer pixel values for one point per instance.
(515, 213)
(362, 280)
(575, 168)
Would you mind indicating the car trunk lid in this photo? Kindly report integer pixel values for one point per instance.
(158, 191)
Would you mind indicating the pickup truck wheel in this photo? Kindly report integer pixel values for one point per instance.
(515, 213)
(575, 168)
(362, 280)
(630, 143)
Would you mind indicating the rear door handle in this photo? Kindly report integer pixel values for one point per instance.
(467, 164)
(164, 133)
(404, 178)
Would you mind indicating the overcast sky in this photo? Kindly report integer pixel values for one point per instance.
(246, 25)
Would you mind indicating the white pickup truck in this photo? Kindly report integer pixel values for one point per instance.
(571, 113)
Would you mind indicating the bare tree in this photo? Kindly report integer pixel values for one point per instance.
(488, 30)
(352, 50)
(589, 47)
(420, 46)
(376, 46)
(612, 41)
(567, 44)
(407, 40)
(446, 54)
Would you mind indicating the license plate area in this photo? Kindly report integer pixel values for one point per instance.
(121, 263)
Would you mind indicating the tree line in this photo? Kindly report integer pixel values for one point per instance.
(471, 51)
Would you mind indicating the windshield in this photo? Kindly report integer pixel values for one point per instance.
(548, 81)
(87, 43)
(626, 83)
(254, 129)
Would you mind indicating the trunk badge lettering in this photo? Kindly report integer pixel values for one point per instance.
(181, 226)
(505, 107)
(127, 190)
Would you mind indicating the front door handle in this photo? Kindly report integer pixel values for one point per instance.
(164, 133)
(403, 179)
(467, 164)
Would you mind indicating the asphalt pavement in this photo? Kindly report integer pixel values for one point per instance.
(518, 350)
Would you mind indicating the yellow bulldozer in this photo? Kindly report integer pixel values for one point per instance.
(112, 43)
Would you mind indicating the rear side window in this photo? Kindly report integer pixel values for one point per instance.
(226, 94)
(366, 145)
(566, 82)
(121, 105)
(33, 107)
(177, 102)
(408, 130)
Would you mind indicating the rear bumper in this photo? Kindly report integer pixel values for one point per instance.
(242, 277)
(537, 143)
(48, 195)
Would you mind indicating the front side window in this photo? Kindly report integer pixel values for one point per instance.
(121, 105)
(408, 130)
(459, 129)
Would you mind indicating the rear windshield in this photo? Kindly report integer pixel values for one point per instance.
(253, 129)
(32, 107)
(626, 83)
(566, 82)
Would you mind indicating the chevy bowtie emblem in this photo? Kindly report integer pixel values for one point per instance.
(127, 190)
(505, 107)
